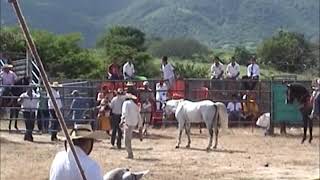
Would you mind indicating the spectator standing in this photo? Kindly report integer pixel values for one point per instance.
(315, 100)
(130, 118)
(253, 73)
(8, 77)
(29, 101)
(146, 97)
(54, 122)
(116, 111)
(161, 94)
(43, 114)
(234, 109)
(104, 122)
(167, 72)
(128, 70)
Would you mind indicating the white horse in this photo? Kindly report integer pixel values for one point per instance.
(187, 112)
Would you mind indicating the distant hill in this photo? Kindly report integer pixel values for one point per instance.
(217, 23)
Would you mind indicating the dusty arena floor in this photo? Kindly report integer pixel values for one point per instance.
(241, 154)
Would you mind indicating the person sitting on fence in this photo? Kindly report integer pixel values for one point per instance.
(315, 100)
(253, 73)
(233, 69)
(161, 94)
(216, 69)
(29, 101)
(146, 98)
(104, 115)
(64, 165)
(78, 107)
(113, 72)
(116, 110)
(54, 122)
(250, 107)
(168, 73)
(234, 109)
(128, 70)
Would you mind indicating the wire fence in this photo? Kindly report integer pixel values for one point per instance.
(191, 89)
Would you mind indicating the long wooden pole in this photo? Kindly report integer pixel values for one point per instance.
(45, 80)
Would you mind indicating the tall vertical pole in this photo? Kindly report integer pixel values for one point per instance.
(45, 80)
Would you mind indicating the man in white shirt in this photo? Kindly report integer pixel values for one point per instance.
(128, 70)
(167, 72)
(253, 73)
(233, 69)
(217, 69)
(8, 77)
(116, 111)
(234, 109)
(64, 166)
(130, 118)
(161, 94)
(29, 102)
(54, 120)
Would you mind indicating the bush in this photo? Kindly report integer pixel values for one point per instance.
(242, 55)
(191, 70)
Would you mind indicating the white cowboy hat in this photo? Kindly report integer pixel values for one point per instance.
(129, 83)
(56, 84)
(131, 96)
(7, 66)
(145, 83)
(83, 131)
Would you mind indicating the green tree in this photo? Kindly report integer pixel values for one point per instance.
(12, 40)
(286, 51)
(242, 55)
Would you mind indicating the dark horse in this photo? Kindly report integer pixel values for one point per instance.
(15, 91)
(299, 93)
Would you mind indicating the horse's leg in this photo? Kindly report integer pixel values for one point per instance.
(181, 126)
(210, 138)
(200, 126)
(310, 128)
(188, 129)
(305, 124)
(217, 135)
(16, 115)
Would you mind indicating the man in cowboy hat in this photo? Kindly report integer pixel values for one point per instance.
(116, 110)
(64, 166)
(8, 76)
(54, 123)
(130, 118)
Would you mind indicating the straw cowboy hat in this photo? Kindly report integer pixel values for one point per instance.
(131, 96)
(130, 83)
(7, 66)
(83, 131)
(56, 84)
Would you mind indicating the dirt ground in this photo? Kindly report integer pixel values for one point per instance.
(241, 154)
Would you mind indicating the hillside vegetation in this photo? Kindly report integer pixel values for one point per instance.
(217, 23)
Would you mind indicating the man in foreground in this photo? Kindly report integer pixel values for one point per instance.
(64, 166)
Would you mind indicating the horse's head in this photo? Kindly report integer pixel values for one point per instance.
(170, 106)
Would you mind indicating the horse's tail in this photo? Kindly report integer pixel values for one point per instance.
(223, 115)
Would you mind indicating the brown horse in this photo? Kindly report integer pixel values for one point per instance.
(299, 93)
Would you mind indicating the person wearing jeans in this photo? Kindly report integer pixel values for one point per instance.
(116, 109)
(29, 102)
(54, 121)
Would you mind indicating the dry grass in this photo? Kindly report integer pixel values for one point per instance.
(240, 155)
